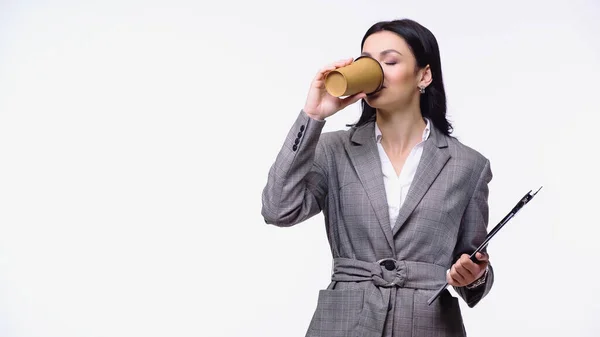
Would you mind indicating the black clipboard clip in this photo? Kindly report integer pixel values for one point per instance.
(491, 234)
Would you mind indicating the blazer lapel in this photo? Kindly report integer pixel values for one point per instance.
(434, 158)
(364, 156)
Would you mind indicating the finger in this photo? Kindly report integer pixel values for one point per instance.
(452, 281)
(449, 279)
(470, 268)
(342, 63)
(337, 64)
(455, 275)
(462, 272)
(352, 99)
(323, 71)
(482, 257)
(475, 269)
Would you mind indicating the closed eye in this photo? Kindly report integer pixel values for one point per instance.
(390, 63)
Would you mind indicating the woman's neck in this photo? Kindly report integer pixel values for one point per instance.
(400, 130)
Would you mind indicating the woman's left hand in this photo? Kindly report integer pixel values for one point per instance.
(465, 271)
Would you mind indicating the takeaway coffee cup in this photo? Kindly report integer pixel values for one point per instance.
(363, 75)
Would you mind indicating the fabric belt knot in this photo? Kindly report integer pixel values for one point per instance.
(393, 273)
(388, 275)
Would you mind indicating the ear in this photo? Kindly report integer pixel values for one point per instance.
(425, 77)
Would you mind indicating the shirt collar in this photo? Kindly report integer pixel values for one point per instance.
(426, 131)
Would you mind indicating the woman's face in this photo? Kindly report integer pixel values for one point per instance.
(400, 81)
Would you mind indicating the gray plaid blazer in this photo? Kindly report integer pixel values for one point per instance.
(383, 275)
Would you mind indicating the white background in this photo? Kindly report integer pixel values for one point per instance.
(136, 138)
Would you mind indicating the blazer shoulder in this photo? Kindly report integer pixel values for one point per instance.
(332, 140)
(467, 154)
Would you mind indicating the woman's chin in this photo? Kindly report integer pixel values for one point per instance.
(375, 100)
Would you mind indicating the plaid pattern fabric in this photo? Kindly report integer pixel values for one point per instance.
(445, 214)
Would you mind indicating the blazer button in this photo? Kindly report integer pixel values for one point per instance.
(299, 134)
(389, 265)
(295, 147)
(297, 141)
(302, 128)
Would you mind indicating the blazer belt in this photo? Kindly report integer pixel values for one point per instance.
(389, 273)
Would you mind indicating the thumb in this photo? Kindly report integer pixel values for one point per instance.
(482, 257)
(352, 98)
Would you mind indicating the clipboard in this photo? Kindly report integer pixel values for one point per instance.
(491, 234)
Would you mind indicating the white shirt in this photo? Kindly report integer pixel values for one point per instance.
(396, 187)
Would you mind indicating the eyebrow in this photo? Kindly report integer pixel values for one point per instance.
(387, 51)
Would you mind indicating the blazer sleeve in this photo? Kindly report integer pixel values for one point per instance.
(472, 233)
(297, 181)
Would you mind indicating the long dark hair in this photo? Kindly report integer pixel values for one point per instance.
(424, 47)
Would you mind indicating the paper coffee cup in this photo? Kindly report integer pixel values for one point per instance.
(363, 75)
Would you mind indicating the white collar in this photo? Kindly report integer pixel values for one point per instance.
(426, 131)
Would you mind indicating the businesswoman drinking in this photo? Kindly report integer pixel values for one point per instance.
(404, 202)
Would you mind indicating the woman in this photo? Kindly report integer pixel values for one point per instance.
(404, 202)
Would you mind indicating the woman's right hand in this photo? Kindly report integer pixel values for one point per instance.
(319, 103)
